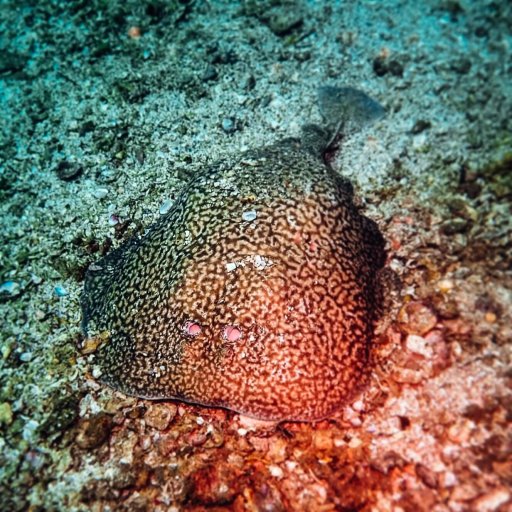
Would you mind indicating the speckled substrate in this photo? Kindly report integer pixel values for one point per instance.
(100, 129)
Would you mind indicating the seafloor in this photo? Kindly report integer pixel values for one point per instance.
(109, 107)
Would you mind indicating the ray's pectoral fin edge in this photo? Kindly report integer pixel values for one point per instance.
(99, 281)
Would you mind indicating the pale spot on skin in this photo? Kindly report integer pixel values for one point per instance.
(192, 328)
(232, 333)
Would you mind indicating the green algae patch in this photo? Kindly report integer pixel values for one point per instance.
(5, 413)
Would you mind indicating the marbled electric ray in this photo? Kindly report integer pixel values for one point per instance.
(256, 291)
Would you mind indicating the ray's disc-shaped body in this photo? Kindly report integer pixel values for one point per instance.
(256, 292)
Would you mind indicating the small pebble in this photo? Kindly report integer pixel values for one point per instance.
(197, 438)
(277, 450)
(379, 66)
(229, 125)
(113, 219)
(60, 291)
(396, 68)
(464, 492)
(407, 376)
(215, 437)
(420, 125)
(358, 406)
(426, 475)
(145, 442)
(5, 413)
(352, 417)
(418, 345)
(449, 479)
(35, 459)
(339, 442)
(96, 372)
(436, 344)
(165, 206)
(91, 344)
(29, 430)
(276, 471)
(416, 318)
(134, 32)
(94, 431)
(100, 192)
(323, 439)
(36, 279)
(461, 65)
(159, 416)
(445, 285)
(283, 22)
(460, 431)
(291, 465)
(392, 426)
(455, 226)
(108, 174)
(490, 317)
(249, 83)
(134, 412)
(388, 461)
(355, 442)
(215, 483)
(6, 348)
(68, 171)
(10, 290)
(210, 73)
(139, 156)
(492, 500)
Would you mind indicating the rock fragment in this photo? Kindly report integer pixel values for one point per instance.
(159, 416)
(93, 431)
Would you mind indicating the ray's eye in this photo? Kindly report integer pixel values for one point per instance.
(192, 328)
(232, 333)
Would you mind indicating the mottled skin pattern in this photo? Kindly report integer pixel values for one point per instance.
(298, 281)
